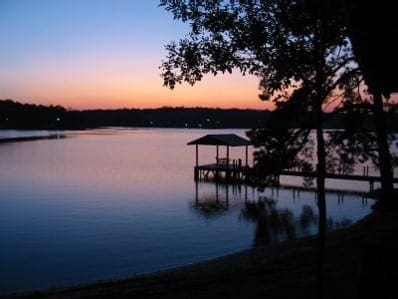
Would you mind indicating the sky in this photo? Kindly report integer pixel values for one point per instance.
(88, 54)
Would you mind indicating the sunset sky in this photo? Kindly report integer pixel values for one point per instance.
(85, 54)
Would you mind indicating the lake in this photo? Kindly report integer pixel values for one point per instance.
(113, 203)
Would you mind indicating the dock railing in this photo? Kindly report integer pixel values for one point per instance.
(222, 161)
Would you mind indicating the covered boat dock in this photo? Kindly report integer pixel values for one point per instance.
(239, 171)
(223, 166)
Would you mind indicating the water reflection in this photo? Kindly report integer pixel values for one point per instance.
(272, 224)
(217, 202)
(79, 210)
(210, 205)
(307, 218)
(277, 214)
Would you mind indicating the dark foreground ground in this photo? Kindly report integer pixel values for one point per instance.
(360, 262)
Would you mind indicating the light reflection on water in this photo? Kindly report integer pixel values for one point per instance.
(113, 203)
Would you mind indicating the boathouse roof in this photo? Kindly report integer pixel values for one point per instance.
(221, 139)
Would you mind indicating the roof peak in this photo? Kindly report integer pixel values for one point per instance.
(221, 139)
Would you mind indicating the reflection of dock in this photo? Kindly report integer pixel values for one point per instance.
(218, 202)
(213, 204)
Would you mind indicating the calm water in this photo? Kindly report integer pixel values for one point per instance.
(114, 203)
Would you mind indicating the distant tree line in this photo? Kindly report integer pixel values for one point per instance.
(15, 115)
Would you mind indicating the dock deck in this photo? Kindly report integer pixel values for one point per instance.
(219, 171)
(238, 173)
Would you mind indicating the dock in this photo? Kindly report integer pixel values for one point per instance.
(371, 179)
(223, 166)
(243, 174)
(239, 171)
(232, 172)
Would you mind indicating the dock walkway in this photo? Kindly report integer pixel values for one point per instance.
(236, 172)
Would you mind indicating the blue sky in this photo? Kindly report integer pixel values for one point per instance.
(45, 29)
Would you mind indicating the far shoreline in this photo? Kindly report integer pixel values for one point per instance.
(31, 138)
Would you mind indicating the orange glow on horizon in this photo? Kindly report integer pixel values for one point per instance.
(115, 87)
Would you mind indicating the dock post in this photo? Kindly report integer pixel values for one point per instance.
(196, 168)
(247, 156)
(196, 193)
(197, 155)
(227, 173)
(217, 155)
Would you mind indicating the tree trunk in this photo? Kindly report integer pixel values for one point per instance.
(321, 174)
(385, 166)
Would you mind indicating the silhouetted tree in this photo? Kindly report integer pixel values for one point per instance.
(378, 64)
(299, 50)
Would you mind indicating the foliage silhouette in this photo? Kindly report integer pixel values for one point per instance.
(302, 55)
(300, 51)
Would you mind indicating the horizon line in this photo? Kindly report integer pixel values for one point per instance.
(134, 108)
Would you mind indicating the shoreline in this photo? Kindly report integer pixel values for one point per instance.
(222, 264)
(278, 271)
(31, 138)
